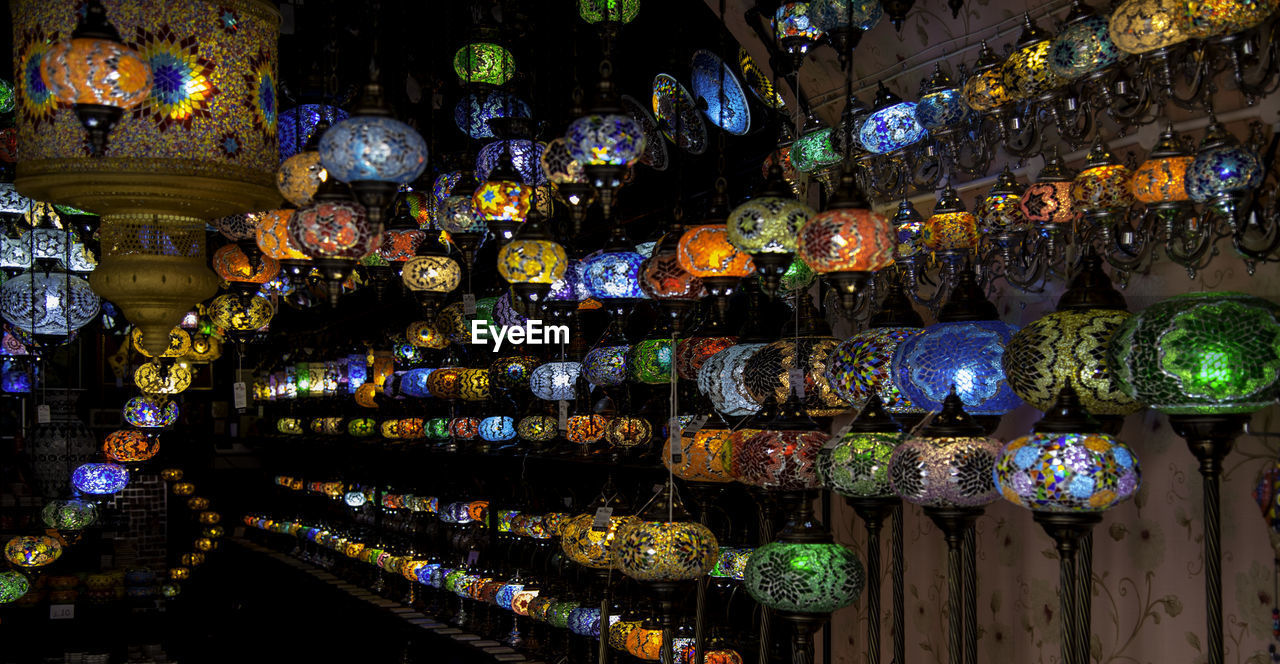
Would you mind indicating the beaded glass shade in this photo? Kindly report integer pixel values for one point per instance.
(967, 355)
(704, 457)
(804, 577)
(1200, 353)
(589, 547)
(692, 353)
(767, 224)
(768, 373)
(555, 381)
(1141, 26)
(666, 550)
(1214, 18)
(1068, 347)
(32, 551)
(605, 140)
(537, 428)
(705, 251)
(946, 471)
(473, 112)
(950, 231)
(721, 380)
(1067, 472)
(1083, 47)
(858, 465)
(650, 362)
(862, 365)
(100, 479)
(484, 62)
(332, 229)
(606, 365)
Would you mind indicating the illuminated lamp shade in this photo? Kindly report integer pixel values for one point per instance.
(846, 239)
(332, 227)
(704, 456)
(1204, 19)
(732, 563)
(793, 27)
(1083, 46)
(586, 429)
(290, 426)
(614, 139)
(484, 62)
(1142, 26)
(778, 459)
(151, 412)
(1201, 353)
(664, 551)
(473, 385)
(559, 167)
(949, 464)
(374, 148)
(431, 274)
(52, 303)
(512, 372)
(767, 224)
(411, 428)
(204, 348)
(644, 643)
(521, 601)
(69, 514)
(1222, 168)
(234, 227)
(130, 446)
(649, 362)
(526, 158)
(537, 428)
(828, 15)
(729, 109)
(627, 431)
(1047, 202)
(804, 577)
(231, 312)
(413, 383)
(297, 126)
(1067, 472)
(497, 428)
(862, 365)
(31, 552)
(300, 176)
(179, 343)
(815, 150)
(951, 228)
(478, 510)
(611, 11)
(445, 383)
(364, 396)
(1000, 211)
(473, 112)
(272, 236)
(153, 378)
(1103, 185)
(767, 373)
(555, 381)
(891, 126)
(502, 200)
(857, 466)
(423, 334)
(506, 595)
(613, 274)
(705, 251)
(437, 428)
(967, 355)
(100, 479)
(940, 106)
(532, 258)
(606, 366)
(1027, 74)
(1162, 178)
(589, 547)
(558, 614)
(692, 353)
(782, 158)
(585, 622)
(720, 379)
(984, 90)
(398, 245)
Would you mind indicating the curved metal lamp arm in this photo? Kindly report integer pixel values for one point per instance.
(1130, 95)
(1189, 241)
(1199, 65)
(1073, 116)
(1260, 80)
(913, 276)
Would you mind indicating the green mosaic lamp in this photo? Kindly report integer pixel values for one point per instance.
(1208, 361)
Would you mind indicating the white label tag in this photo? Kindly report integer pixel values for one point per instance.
(42, 414)
(564, 415)
(695, 425)
(837, 436)
(469, 304)
(796, 377)
(601, 522)
(62, 611)
(675, 442)
(240, 395)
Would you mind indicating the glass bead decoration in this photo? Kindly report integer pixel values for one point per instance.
(862, 365)
(130, 446)
(613, 11)
(150, 412)
(945, 471)
(589, 547)
(705, 456)
(373, 148)
(721, 380)
(484, 62)
(804, 577)
(555, 381)
(497, 428)
(69, 514)
(858, 465)
(537, 428)
(613, 275)
(767, 224)
(705, 251)
(52, 303)
(628, 431)
(100, 479)
(666, 550)
(473, 112)
(649, 362)
(1083, 47)
(726, 103)
(1068, 348)
(32, 551)
(1142, 26)
(967, 355)
(891, 129)
(606, 366)
(778, 460)
(1067, 472)
(1200, 353)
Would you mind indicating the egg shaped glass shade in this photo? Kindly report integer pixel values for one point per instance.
(945, 472)
(367, 148)
(1001, 212)
(1068, 348)
(606, 366)
(950, 231)
(1026, 71)
(649, 362)
(804, 577)
(645, 644)
(586, 429)
(333, 229)
(613, 275)
(692, 353)
(443, 383)
(532, 261)
(792, 21)
(705, 251)
(862, 365)
(1200, 353)
(984, 91)
(296, 125)
(31, 552)
(53, 303)
(512, 372)
(666, 550)
(614, 11)
(354, 499)
(1141, 26)
(399, 245)
(484, 62)
(273, 237)
(815, 151)
(361, 427)
(890, 129)
(1083, 47)
(589, 547)
(555, 381)
(464, 428)
(100, 479)
(496, 200)
(1223, 170)
(1048, 203)
(828, 15)
(858, 465)
(768, 373)
(1161, 180)
(69, 514)
(1102, 188)
(846, 240)
(662, 278)
(229, 313)
(300, 176)
(941, 109)
(473, 385)
(721, 380)
(130, 446)
(473, 112)
(605, 140)
(1204, 19)
(537, 428)
(627, 431)
(431, 274)
(1067, 472)
(13, 586)
(967, 355)
(714, 83)
(704, 457)
(585, 622)
(458, 215)
(767, 224)
(231, 264)
(778, 460)
(93, 71)
(497, 428)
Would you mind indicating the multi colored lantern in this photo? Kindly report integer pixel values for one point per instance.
(1083, 46)
(150, 412)
(948, 464)
(1222, 168)
(984, 91)
(1143, 26)
(804, 577)
(32, 551)
(666, 551)
(537, 428)
(473, 112)
(1205, 19)
(555, 381)
(497, 428)
(1047, 202)
(1102, 187)
(613, 274)
(13, 586)
(69, 514)
(1161, 180)
(1067, 472)
(941, 106)
(626, 431)
(606, 365)
(586, 429)
(704, 456)
(891, 126)
(649, 362)
(721, 380)
(1000, 212)
(951, 228)
(608, 11)
(705, 251)
(862, 365)
(100, 479)
(1027, 74)
(589, 547)
(130, 446)
(1068, 348)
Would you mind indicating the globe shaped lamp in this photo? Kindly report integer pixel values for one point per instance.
(844, 21)
(846, 242)
(431, 275)
(862, 367)
(1160, 182)
(555, 381)
(891, 126)
(941, 106)
(615, 12)
(613, 274)
(704, 456)
(1047, 203)
(1027, 74)
(721, 380)
(767, 228)
(948, 464)
(984, 90)
(32, 551)
(813, 151)
(794, 29)
(605, 141)
(606, 365)
(69, 514)
(300, 175)
(663, 546)
(1223, 173)
(588, 546)
(100, 479)
(130, 446)
(1147, 26)
(782, 456)
(1083, 47)
(706, 252)
(484, 62)
(1209, 19)
(1102, 188)
(951, 229)
(503, 200)
(1000, 212)
(532, 262)
(857, 467)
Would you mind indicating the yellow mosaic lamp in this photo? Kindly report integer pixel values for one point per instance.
(1143, 26)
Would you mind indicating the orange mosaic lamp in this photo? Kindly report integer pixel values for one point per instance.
(1102, 188)
(848, 241)
(1047, 202)
(952, 228)
(1161, 180)
(231, 264)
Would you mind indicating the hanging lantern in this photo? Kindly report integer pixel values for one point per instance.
(13, 586)
(431, 277)
(586, 429)
(951, 228)
(649, 362)
(232, 313)
(606, 365)
(100, 479)
(862, 366)
(555, 381)
(984, 91)
(1000, 212)
(705, 252)
(1102, 188)
(940, 107)
(151, 412)
(1223, 172)
(50, 303)
(767, 227)
(231, 264)
(857, 466)
(1027, 74)
(605, 142)
(663, 546)
(484, 62)
(31, 552)
(300, 175)
(844, 21)
(71, 514)
(497, 428)
(694, 352)
(589, 547)
(1161, 180)
(1047, 202)
(721, 380)
(1143, 26)
(537, 428)
(892, 124)
(794, 29)
(614, 272)
(1084, 45)
(1205, 19)
(608, 11)
(704, 456)
(815, 149)
(626, 431)
(532, 262)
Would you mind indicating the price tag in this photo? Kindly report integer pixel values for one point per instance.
(695, 425)
(240, 394)
(469, 304)
(42, 414)
(835, 438)
(796, 377)
(62, 611)
(601, 522)
(675, 444)
(472, 557)
(564, 415)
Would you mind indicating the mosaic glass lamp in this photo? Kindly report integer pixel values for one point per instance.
(1200, 354)
(512, 372)
(431, 276)
(767, 228)
(497, 428)
(704, 455)
(150, 412)
(50, 303)
(862, 366)
(645, 642)
(804, 575)
(721, 380)
(232, 265)
(614, 272)
(69, 514)
(793, 27)
(236, 314)
(908, 227)
(626, 431)
(484, 62)
(1027, 74)
(1144, 26)
(605, 141)
(100, 479)
(845, 20)
(300, 175)
(649, 362)
(590, 547)
(1000, 211)
(782, 456)
(694, 352)
(892, 124)
(1223, 172)
(333, 227)
(532, 262)
(502, 200)
(1206, 19)
(13, 586)
(473, 112)
(1161, 180)
(586, 429)
(815, 149)
(1102, 188)
(606, 365)
(948, 464)
(767, 373)
(1047, 203)
(984, 90)
(706, 252)
(30, 552)
(940, 107)
(857, 466)
(130, 446)
(713, 82)
(664, 545)
(1083, 46)
(951, 228)
(299, 125)
(527, 158)
(663, 279)
(555, 381)
(608, 11)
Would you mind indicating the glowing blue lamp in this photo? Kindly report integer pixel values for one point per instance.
(295, 126)
(100, 479)
(473, 112)
(891, 126)
(497, 428)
